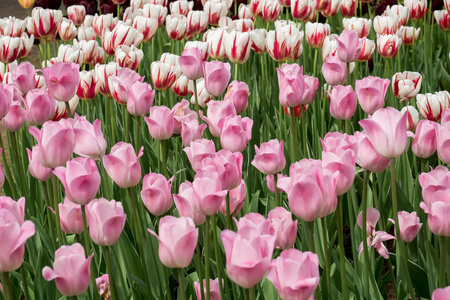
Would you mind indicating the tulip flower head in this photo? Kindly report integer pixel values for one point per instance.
(406, 85)
(409, 224)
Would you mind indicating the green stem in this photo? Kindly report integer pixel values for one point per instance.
(112, 117)
(164, 157)
(7, 289)
(401, 254)
(277, 196)
(49, 217)
(25, 282)
(247, 294)
(208, 292)
(218, 258)
(167, 284)
(315, 59)
(110, 273)
(304, 143)
(137, 133)
(200, 271)
(442, 247)
(236, 71)
(312, 246)
(87, 245)
(73, 298)
(127, 124)
(252, 293)
(197, 108)
(348, 73)
(227, 204)
(327, 256)
(294, 134)
(18, 165)
(340, 225)
(69, 112)
(7, 170)
(181, 282)
(56, 208)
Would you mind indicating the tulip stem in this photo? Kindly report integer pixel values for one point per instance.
(49, 217)
(200, 272)
(7, 170)
(277, 196)
(164, 157)
(340, 225)
(56, 208)
(110, 273)
(312, 246)
(73, 298)
(294, 134)
(327, 256)
(236, 71)
(305, 145)
(127, 124)
(196, 98)
(208, 292)
(137, 133)
(69, 112)
(315, 59)
(442, 246)
(218, 258)
(87, 245)
(18, 167)
(228, 208)
(400, 253)
(25, 282)
(181, 282)
(348, 73)
(7, 289)
(247, 294)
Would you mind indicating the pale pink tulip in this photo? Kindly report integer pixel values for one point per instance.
(103, 286)
(214, 289)
(208, 195)
(342, 102)
(70, 217)
(160, 122)
(440, 294)
(292, 85)
(17, 208)
(62, 80)
(139, 98)
(184, 203)
(199, 150)
(15, 118)
(235, 132)
(269, 158)
(217, 111)
(89, 138)
(409, 224)
(371, 92)
(282, 227)
(40, 106)
(191, 63)
(424, 143)
(366, 156)
(238, 93)
(156, 193)
(35, 168)
(23, 77)
(217, 75)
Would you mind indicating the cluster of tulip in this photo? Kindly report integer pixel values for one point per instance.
(225, 234)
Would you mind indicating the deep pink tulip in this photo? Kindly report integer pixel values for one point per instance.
(269, 158)
(424, 143)
(342, 167)
(198, 150)
(342, 102)
(217, 75)
(191, 63)
(386, 130)
(349, 46)
(103, 286)
(334, 70)
(122, 165)
(235, 132)
(217, 110)
(208, 194)
(437, 207)
(140, 98)
(282, 228)
(17, 208)
(6, 98)
(106, 221)
(311, 86)
(15, 117)
(248, 255)
(184, 203)
(295, 274)
(71, 270)
(440, 294)
(238, 93)
(366, 156)
(40, 106)
(13, 234)
(191, 131)
(80, 178)
(62, 80)
(177, 241)
(120, 84)
(214, 289)
(156, 193)
(89, 138)
(70, 217)
(309, 183)
(160, 122)
(409, 224)
(292, 85)
(56, 141)
(443, 140)
(23, 77)
(270, 181)
(35, 168)
(371, 92)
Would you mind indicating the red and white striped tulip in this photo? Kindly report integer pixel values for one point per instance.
(443, 19)
(406, 85)
(10, 49)
(146, 26)
(128, 57)
(270, 10)
(76, 13)
(347, 8)
(316, 33)
(361, 25)
(86, 33)
(131, 13)
(409, 35)
(102, 75)
(332, 9)
(398, 10)
(301, 9)
(385, 24)
(244, 12)
(67, 30)
(431, 106)
(216, 47)
(103, 21)
(321, 5)
(367, 48)
(125, 35)
(157, 12)
(163, 75)
(176, 26)
(89, 49)
(12, 26)
(279, 44)
(87, 88)
(416, 8)
(258, 40)
(70, 53)
(44, 22)
(388, 45)
(181, 7)
(237, 46)
(215, 11)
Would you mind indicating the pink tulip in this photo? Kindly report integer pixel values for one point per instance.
(198, 150)
(238, 93)
(367, 158)
(23, 77)
(6, 98)
(437, 207)
(439, 294)
(311, 85)
(184, 203)
(343, 168)
(89, 138)
(80, 178)
(433, 181)
(56, 141)
(339, 143)
(160, 122)
(40, 106)
(71, 270)
(237, 198)
(191, 131)
(70, 217)
(217, 111)
(103, 286)
(269, 158)
(13, 234)
(409, 224)
(295, 274)
(106, 221)
(342, 102)
(443, 140)
(255, 221)
(292, 85)
(282, 227)
(17, 208)
(334, 71)
(120, 84)
(424, 143)
(156, 193)
(15, 117)
(386, 130)
(191, 63)
(214, 289)
(35, 168)
(227, 165)
(208, 194)
(310, 183)
(349, 46)
(235, 132)
(182, 113)
(122, 165)
(248, 255)
(62, 80)
(217, 75)
(177, 241)
(140, 98)
(371, 92)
